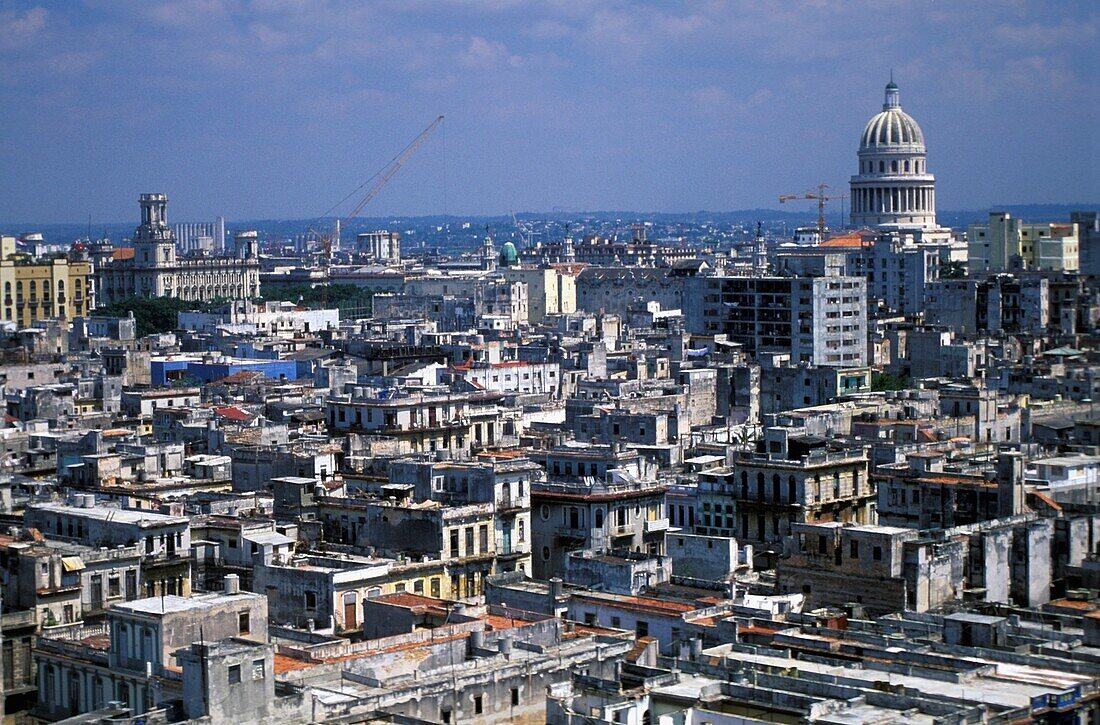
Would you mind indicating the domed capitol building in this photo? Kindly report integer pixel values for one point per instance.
(893, 186)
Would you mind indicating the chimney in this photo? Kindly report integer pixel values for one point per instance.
(232, 584)
(1010, 484)
(555, 591)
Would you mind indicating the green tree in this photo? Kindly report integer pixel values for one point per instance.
(342, 296)
(152, 315)
(885, 381)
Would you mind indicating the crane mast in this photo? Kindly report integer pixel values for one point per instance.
(383, 178)
(820, 197)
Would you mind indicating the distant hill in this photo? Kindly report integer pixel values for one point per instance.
(117, 231)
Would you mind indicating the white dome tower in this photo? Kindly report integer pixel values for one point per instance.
(893, 186)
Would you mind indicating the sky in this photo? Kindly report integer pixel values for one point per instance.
(278, 108)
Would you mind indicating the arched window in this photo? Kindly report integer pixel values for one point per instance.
(599, 518)
(775, 487)
(894, 166)
(882, 167)
(760, 486)
(907, 166)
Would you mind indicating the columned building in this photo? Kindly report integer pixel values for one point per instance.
(893, 186)
(152, 269)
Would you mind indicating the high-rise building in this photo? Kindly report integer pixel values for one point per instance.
(817, 319)
(893, 186)
(193, 236)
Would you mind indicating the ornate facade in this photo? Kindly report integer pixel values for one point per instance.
(44, 288)
(893, 186)
(152, 269)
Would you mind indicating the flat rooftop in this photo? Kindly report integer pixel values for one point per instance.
(108, 513)
(171, 603)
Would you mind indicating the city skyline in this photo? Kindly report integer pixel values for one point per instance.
(278, 109)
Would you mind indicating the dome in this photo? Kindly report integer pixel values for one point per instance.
(892, 128)
(509, 257)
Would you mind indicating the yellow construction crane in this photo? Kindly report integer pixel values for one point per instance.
(820, 197)
(381, 178)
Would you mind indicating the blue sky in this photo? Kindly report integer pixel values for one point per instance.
(277, 108)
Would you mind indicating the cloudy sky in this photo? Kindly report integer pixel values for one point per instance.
(278, 108)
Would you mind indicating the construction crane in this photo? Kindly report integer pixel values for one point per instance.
(820, 197)
(381, 178)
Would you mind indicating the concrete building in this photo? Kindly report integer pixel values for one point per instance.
(281, 319)
(383, 247)
(131, 659)
(1006, 244)
(430, 419)
(893, 186)
(920, 494)
(819, 320)
(154, 270)
(885, 569)
(551, 289)
(1088, 238)
(1013, 304)
(164, 541)
(759, 497)
(599, 498)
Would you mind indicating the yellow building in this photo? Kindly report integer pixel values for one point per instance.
(1005, 243)
(41, 289)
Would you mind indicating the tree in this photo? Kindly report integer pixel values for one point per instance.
(152, 315)
(343, 296)
(885, 381)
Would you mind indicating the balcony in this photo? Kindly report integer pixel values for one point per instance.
(512, 553)
(655, 525)
(570, 533)
(511, 504)
(621, 530)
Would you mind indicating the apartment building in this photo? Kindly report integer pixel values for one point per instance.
(820, 320)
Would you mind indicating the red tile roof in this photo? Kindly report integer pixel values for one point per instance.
(232, 412)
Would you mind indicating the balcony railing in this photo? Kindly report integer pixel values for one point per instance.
(655, 525)
(621, 530)
(568, 532)
(510, 503)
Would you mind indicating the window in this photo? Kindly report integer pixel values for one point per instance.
(546, 553)
(515, 696)
(642, 628)
(258, 669)
(242, 623)
(876, 553)
(853, 549)
(445, 715)
(478, 707)
(616, 622)
(234, 674)
(311, 600)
